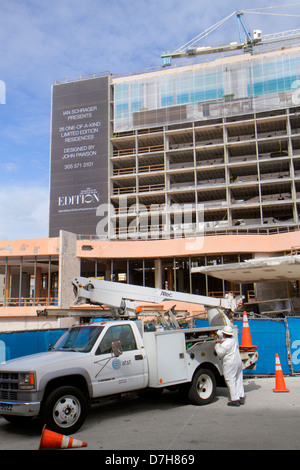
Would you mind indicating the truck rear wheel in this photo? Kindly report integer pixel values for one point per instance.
(203, 387)
(65, 410)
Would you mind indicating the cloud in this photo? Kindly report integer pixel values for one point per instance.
(9, 167)
(24, 212)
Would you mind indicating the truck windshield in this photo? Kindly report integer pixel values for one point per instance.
(78, 339)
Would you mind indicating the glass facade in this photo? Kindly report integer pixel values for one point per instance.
(205, 91)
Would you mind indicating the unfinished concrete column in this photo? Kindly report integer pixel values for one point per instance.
(158, 273)
(69, 267)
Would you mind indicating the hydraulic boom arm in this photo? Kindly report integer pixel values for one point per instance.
(123, 299)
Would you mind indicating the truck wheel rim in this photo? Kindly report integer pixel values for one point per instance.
(66, 411)
(204, 386)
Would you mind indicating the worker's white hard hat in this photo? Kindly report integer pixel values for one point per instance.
(228, 330)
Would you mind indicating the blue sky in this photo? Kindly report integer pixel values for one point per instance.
(43, 41)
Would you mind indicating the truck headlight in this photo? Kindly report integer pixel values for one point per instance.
(27, 381)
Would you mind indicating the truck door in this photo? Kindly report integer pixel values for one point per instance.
(127, 372)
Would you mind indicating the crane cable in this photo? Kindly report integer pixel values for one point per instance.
(204, 33)
(275, 6)
(274, 14)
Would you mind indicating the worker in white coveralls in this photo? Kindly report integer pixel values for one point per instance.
(228, 351)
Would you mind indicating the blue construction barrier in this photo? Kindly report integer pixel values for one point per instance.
(270, 336)
(23, 343)
(294, 332)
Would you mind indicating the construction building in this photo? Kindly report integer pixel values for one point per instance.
(184, 177)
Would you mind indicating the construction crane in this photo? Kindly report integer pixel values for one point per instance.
(193, 48)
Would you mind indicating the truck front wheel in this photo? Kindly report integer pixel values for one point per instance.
(203, 387)
(65, 410)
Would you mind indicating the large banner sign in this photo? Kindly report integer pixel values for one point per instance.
(79, 155)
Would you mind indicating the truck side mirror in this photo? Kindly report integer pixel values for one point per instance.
(116, 348)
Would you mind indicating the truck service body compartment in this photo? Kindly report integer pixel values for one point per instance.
(167, 357)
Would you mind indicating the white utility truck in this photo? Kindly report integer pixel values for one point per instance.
(119, 356)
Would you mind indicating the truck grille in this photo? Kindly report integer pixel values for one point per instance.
(9, 385)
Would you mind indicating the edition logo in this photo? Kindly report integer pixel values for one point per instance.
(85, 197)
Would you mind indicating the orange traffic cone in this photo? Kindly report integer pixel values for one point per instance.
(53, 440)
(279, 379)
(246, 335)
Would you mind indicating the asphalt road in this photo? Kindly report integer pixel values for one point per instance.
(268, 421)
